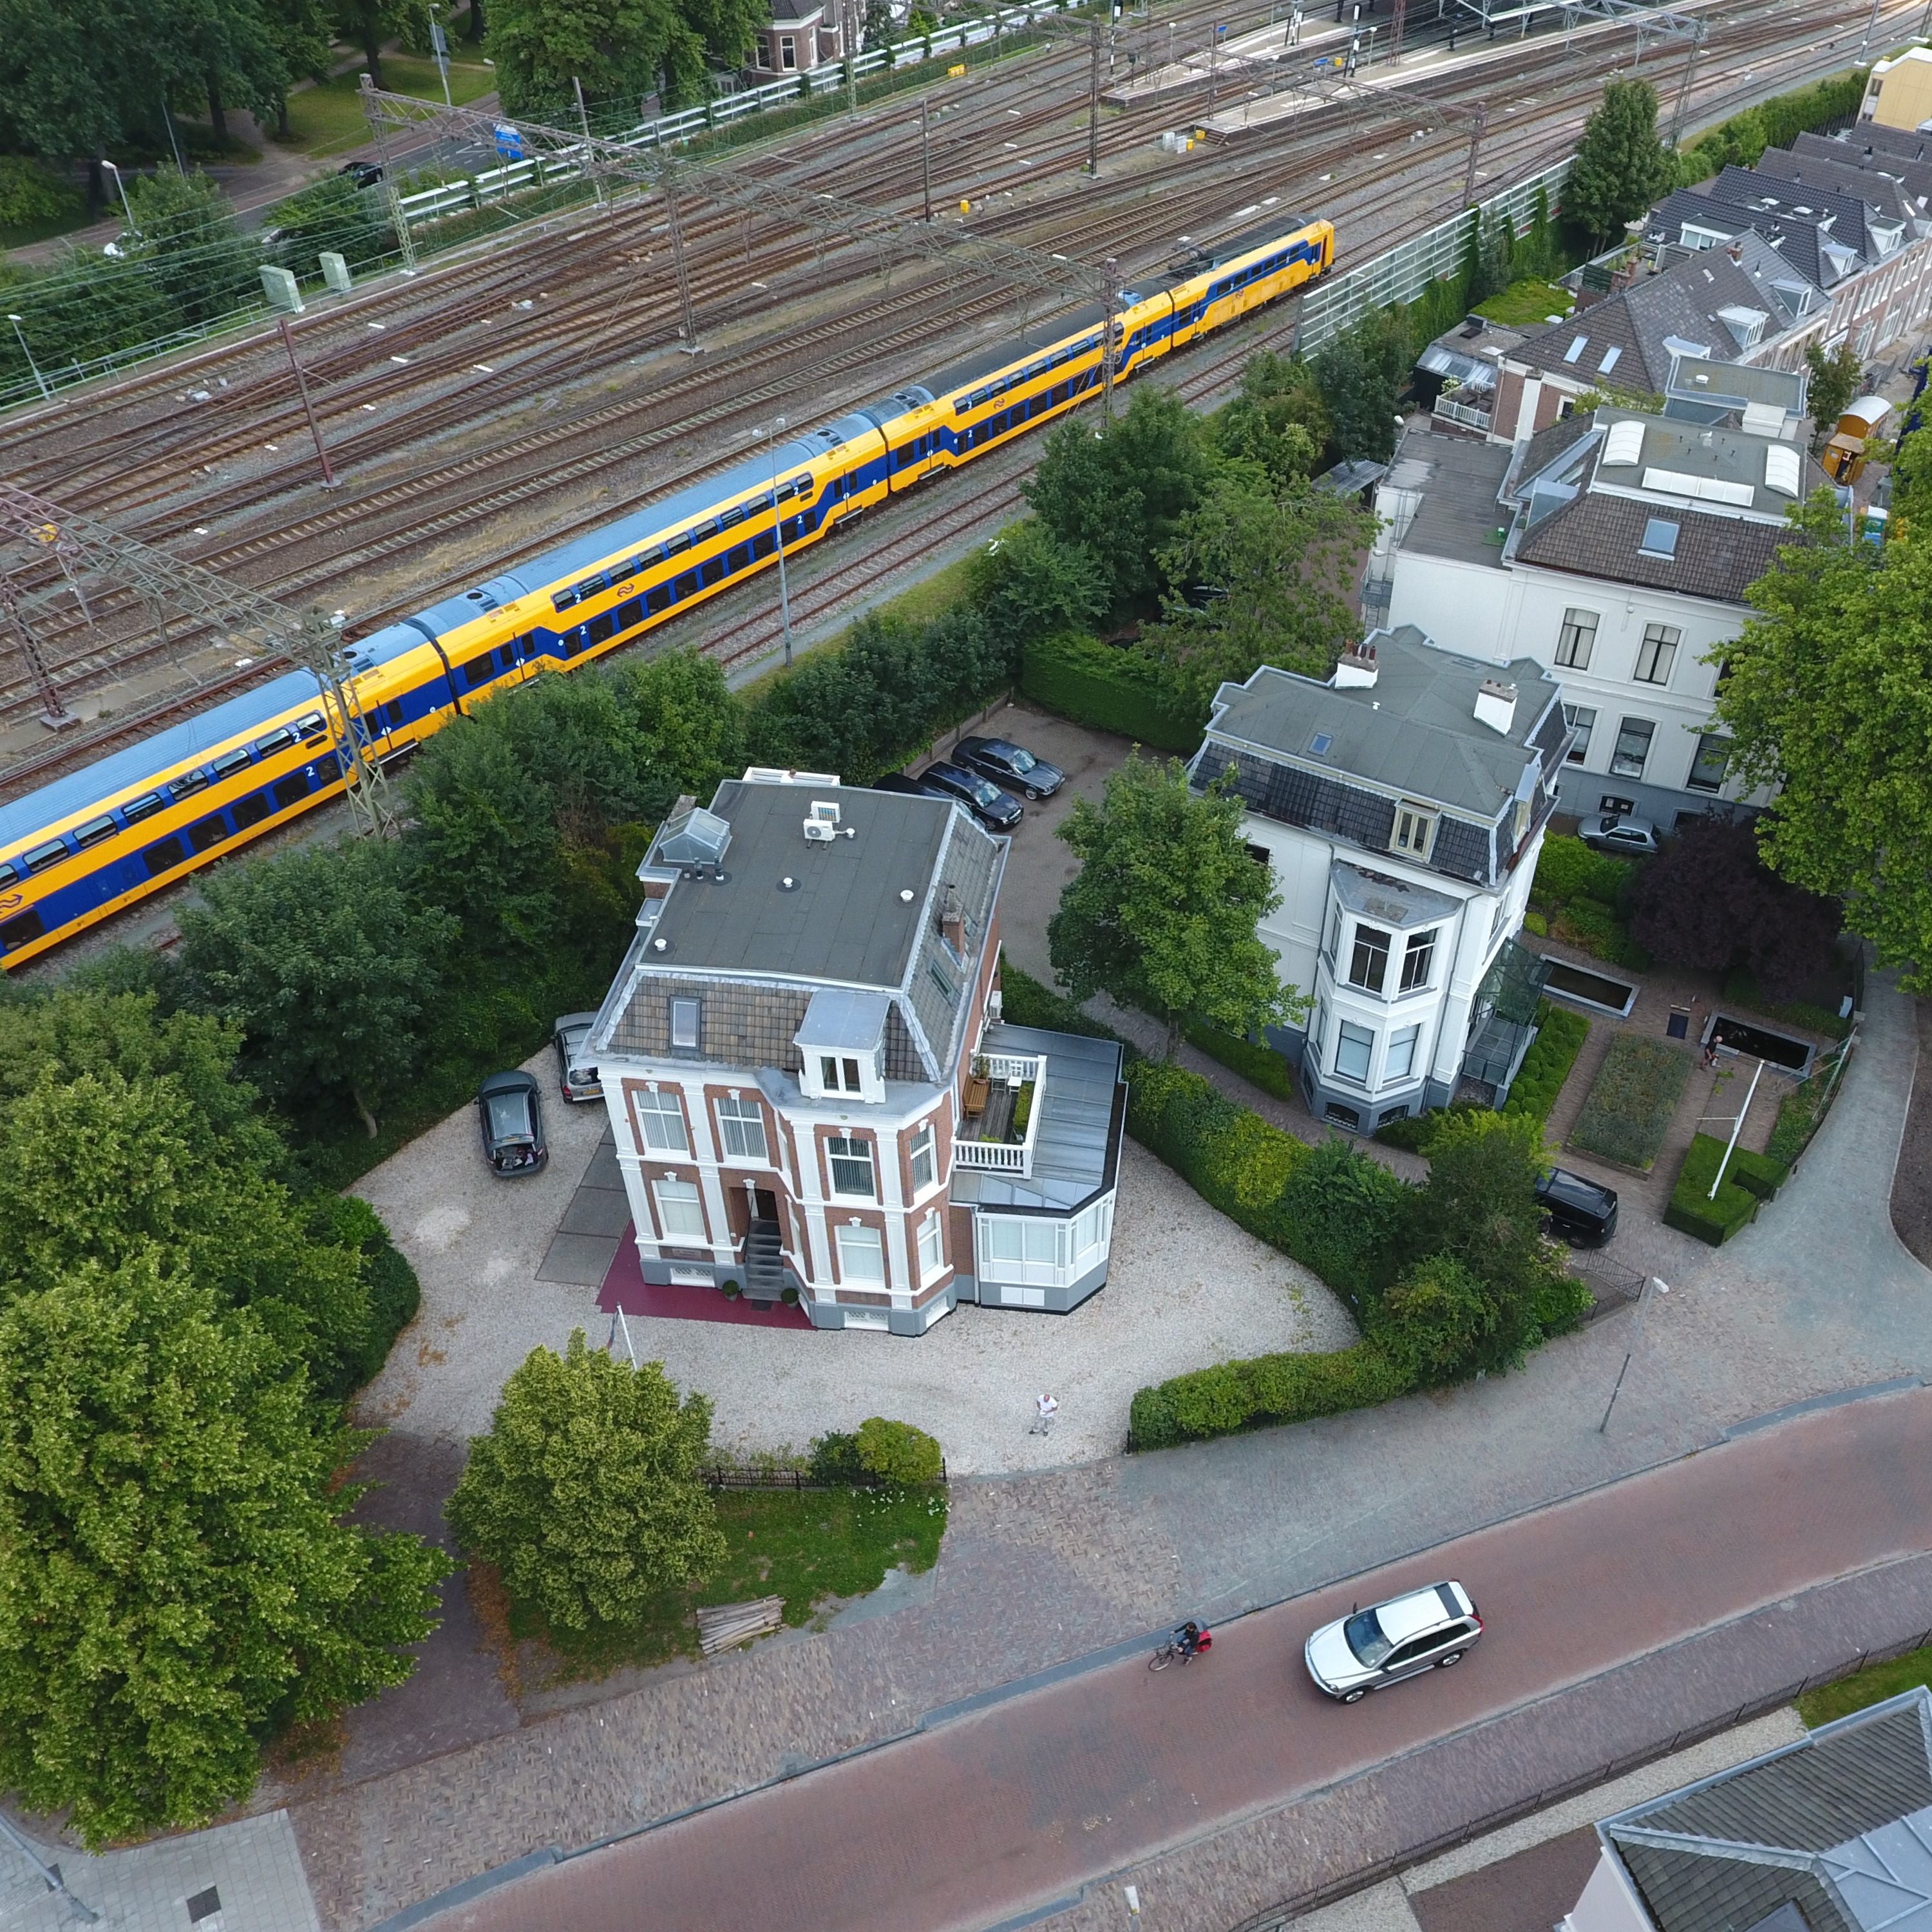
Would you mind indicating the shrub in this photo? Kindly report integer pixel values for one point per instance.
(1560, 1035)
(1749, 1179)
(1025, 1002)
(395, 1293)
(1340, 1214)
(896, 1452)
(1567, 869)
(1630, 1103)
(1742, 989)
(1109, 687)
(1268, 1390)
(834, 1458)
(30, 195)
(1413, 1132)
(1260, 1065)
(1434, 1318)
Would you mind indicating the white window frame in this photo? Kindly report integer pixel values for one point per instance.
(1648, 727)
(1364, 1044)
(1356, 944)
(1656, 654)
(833, 1159)
(1692, 782)
(1415, 831)
(787, 51)
(681, 1212)
(1582, 719)
(932, 1244)
(1408, 1037)
(659, 1110)
(1421, 945)
(861, 1255)
(687, 1023)
(923, 1146)
(1576, 637)
(740, 1118)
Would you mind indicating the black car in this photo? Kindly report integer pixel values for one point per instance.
(1013, 766)
(898, 781)
(991, 806)
(512, 1118)
(364, 174)
(1583, 1213)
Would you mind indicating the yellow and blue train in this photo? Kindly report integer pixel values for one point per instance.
(88, 844)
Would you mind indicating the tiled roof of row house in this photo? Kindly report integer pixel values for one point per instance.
(780, 915)
(1605, 536)
(1844, 174)
(1840, 1825)
(1809, 250)
(1849, 217)
(1334, 759)
(1852, 150)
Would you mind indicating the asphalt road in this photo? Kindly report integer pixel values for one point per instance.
(974, 1821)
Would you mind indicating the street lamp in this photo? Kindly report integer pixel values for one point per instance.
(771, 434)
(46, 394)
(125, 209)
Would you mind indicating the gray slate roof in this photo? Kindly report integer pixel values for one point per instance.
(1844, 174)
(1854, 150)
(1797, 238)
(1779, 196)
(1598, 536)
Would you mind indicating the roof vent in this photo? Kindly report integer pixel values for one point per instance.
(1495, 705)
(1356, 668)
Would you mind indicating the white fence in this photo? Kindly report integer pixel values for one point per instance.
(1451, 411)
(1407, 269)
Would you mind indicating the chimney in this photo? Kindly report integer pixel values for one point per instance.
(952, 924)
(1495, 705)
(1355, 669)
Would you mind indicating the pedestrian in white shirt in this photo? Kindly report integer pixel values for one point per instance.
(1048, 1407)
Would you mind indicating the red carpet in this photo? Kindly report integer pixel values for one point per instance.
(625, 1288)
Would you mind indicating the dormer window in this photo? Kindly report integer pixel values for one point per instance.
(1415, 831)
(838, 1076)
(686, 1025)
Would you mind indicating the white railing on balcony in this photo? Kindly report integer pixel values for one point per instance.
(1461, 412)
(1021, 1066)
(1007, 1156)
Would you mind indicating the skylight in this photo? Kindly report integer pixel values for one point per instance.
(1625, 444)
(1319, 745)
(1781, 469)
(1575, 349)
(1660, 540)
(1609, 361)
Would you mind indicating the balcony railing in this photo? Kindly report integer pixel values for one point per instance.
(1461, 412)
(1002, 1130)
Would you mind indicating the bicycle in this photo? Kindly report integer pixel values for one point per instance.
(1175, 1651)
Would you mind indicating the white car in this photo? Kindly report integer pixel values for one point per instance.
(1614, 832)
(578, 1079)
(1368, 1650)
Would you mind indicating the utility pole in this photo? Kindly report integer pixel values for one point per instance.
(54, 715)
(925, 152)
(1395, 30)
(1093, 101)
(366, 792)
(1684, 91)
(390, 191)
(329, 480)
(40, 381)
(1110, 272)
(1478, 115)
(690, 345)
(590, 150)
(777, 526)
(850, 37)
(438, 43)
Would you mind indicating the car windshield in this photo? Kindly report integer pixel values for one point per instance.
(985, 792)
(1020, 760)
(1363, 1631)
(509, 1117)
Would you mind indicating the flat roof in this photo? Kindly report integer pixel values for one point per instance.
(1075, 1148)
(1458, 517)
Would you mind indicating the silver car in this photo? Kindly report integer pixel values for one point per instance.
(575, 1075)
(1369, 1650)
(1612, 832)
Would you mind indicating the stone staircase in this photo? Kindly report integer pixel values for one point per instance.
(764, 1262)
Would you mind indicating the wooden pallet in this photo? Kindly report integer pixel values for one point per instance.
(721, 1625)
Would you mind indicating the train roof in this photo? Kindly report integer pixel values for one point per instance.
(127, 771)
(1035, 337)
(1277, 228)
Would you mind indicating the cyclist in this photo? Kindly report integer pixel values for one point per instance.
(1192, 1639)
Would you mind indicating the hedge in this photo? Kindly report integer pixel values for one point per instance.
(1560, 1035)
(1632, 1099)
(1267, 1390)
(1108, 688)
(1750, 1180)
(1260, 1065)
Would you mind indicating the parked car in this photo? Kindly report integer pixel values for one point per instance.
(898, 781)
(575, 1074)
(1013, 766)
(1369, 1650)
(364, 174)
(512, 1118)
(1617, 833)
(992, 806)
(1583, 1213)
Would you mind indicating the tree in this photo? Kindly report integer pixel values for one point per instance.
(190, 245)
(1835, 380)
(334, 214)
(1118, 491)
(1362, 373)
(1709, 901)
(878, 22)
(615, 48)
(1622, 167)
(1261, 580)
(326, 962)
(1828, 696)
(1028, 584)
(367, 24)
(178, 1579)
(1277, 422)
(586, 1493)
(1161, 914)
(1435, 1319)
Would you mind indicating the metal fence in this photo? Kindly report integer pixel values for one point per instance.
(723, 1476)
(1405, 271)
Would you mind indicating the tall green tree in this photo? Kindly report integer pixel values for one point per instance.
(619, 50)
(1827, 697)
(1277, 422)
(1835, 380)
(1362, 374)
(189, 243)
(586, 1492)
(1259, 579)
(1162, 913)
(1621, 166)
(366, 24)
(178, 1580)
(327, 961)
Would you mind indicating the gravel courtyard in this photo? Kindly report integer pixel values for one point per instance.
(1187, 1288)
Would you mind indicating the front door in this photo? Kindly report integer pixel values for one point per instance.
(764, 1204)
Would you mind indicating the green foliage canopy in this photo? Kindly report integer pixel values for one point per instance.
(1621, 166)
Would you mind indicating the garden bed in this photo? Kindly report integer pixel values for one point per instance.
(1631, 1101)
(1595, 990)
(1749, 1180)
(1578, 896)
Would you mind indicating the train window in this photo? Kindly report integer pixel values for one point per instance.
(95, 830)
(389, 715)
(290, 791)
(685, 584)
(506, 658)
(188, 783)
(207, 832)
(51, 853)
(479, 671)
(673, 544)
(736, 557)
(627, 570)
(801, 484)
(164, 857)
(138, 808)
(709, 528)
(229, 761)
(631, 614)
(732, 516)
(711, 571)
(276, 741)
(9, 875)
(312, 726)
(657, 599)
(251, 810)
(563, 599)
(1058, 393)
(22, 930)
(589, 586)
(600, 630)
(763, 544)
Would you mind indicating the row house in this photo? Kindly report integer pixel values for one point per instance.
(799, 36)
(811, 1087)
(1399, 807)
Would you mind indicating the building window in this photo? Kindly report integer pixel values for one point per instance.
(1401, 1061)
(851, 1161)
(787, 51)
(1414, 830)
(765, 55)
(1574, 641)
(861, 1255)
(1353, 1045)
(924, 1159)
(1086, 1240)
(1656, 653)
(679, 1210)
(1707, 768)
(931, 1247)
(741, 1126)
(1416, 960)
(1371, 960)
(1634, 737)
(662, 1119)
(830, 1071)
(686, 1017)
(1582, 720)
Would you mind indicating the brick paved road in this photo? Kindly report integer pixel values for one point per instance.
(996, 1813)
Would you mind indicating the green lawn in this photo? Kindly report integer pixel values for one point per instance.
(1525, 304)
(1872, 1685)
(327, 119)
(805, 1545)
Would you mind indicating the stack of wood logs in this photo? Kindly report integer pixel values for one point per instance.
(721, 1625)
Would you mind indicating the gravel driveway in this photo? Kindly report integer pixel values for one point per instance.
(1188, 1288)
